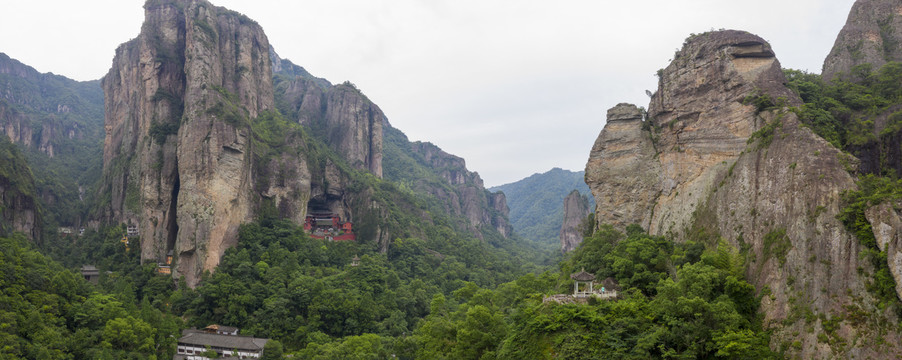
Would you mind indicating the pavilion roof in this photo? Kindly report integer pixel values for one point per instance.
(582, 276)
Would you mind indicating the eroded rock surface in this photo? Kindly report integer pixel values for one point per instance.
(576, 208)
(872, 35)
(178, 153)
(469, 198)
(341, 115)
(713, 163)
(886, 222)
(700, 120)
(622, 171)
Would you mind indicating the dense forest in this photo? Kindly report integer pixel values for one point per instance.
(444, 286)
(537, 202)
(304, 293)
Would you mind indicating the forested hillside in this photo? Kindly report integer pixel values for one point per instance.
(411, 303)
(20, 209)
(537, 202)
(860, 114)
(58, 124)
(49, 311)
(686, 300)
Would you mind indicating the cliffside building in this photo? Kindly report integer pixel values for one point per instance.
(90, 273)
(131, 231)
(165, 267)
(329, 227)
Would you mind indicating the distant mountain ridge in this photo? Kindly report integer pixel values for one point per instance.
(58, 124)
(537, 202)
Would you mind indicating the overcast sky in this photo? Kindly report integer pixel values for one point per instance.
(514, 87)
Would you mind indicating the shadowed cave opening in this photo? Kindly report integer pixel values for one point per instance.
(326, 204)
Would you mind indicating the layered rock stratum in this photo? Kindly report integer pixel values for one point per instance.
(707, 164)
(622, 171)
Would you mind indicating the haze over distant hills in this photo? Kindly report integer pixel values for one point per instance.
(537, 202)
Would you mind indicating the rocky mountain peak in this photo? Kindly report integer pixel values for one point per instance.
(624, 112)
(872, 35)
(721, 156)
(622, 162)
(340, 114)
(702, 117)
(177, 153)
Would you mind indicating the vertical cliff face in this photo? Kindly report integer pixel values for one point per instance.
(576, 208)
(353, 126)
(501, 213)
(19, 209)
(751, 175)
(872, 35)
(701, 120)
(341, 115)
(886, 222)
(622, 170)
(179, 154)
(426, 170)
(870, 39)
(467, 196)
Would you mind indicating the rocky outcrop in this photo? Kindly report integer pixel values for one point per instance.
(751, 175)
(353, 127)
(194, 147)
(782, 201)
(576, 208)
(467, 196)
(622, 171)
(872, 35)
(286, 70)
(19, 209)
(701, 119)
(501, 213)
(340, 115)
(179, 155)
(886, 222)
